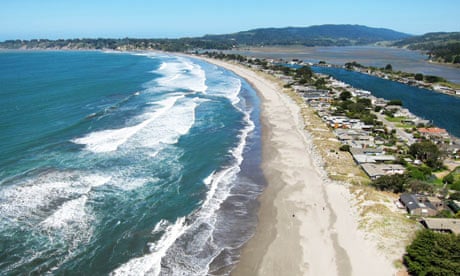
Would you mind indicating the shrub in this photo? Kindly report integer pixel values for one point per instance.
(433, 254)
(344, 148)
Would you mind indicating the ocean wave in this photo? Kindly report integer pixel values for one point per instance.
(110, 140)
(181, 247)
(35, 197)
(182, 73)
(228, 87)
(150, 263)
(168, 127)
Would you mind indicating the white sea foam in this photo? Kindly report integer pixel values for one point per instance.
(110, 140)
(229, 87)
(182, 73)
(169, 127)
(31, 198)
(72, 212)
(150, 264)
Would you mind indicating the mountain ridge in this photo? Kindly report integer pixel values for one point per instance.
(316, 35)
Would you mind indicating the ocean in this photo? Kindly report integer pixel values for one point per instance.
(125, 164)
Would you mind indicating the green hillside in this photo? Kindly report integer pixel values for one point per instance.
(323, 35)
(442, 47)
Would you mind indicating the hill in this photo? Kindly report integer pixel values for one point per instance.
(442, 47)
(322, 35)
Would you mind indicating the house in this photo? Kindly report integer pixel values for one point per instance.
(375, 171)
(438, 203)
(370, 155)
(442, 225)
(433, 133)
(417, 206)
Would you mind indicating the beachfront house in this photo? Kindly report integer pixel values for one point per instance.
(370, 155)
(442, 225)
(375, 171)
(418, 206)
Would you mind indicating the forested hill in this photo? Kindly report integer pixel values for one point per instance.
(443, 47)
(322, 35)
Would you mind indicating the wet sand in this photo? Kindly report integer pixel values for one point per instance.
(307, 225)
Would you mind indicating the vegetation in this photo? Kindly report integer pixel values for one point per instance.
(442, 47)
(395, 102)
(433, 254)
(394, 183)
(428, 153)
(177, 45)
(324, 35)
(353, 64)
(304, 74)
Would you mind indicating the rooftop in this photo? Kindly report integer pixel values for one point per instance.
(442, 224)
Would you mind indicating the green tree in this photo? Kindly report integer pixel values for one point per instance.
(433, 254)
(345, 95)
(418, 76)
(394, 183)
(455, 196)
(304, 72)
(427, 152)
(395, 102)
(456, 59)
(388, 67)
(449, 179)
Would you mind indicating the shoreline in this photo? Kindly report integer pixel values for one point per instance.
(307, 223)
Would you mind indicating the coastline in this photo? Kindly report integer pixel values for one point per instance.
(308, 224)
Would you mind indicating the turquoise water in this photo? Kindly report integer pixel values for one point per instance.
(120, 164)
(443, 110)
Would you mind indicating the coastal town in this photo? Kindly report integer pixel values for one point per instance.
(381, 135)
(400, 153)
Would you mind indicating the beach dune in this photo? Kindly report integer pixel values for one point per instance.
(307, 224)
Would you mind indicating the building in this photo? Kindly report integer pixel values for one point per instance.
(375, 171)
(442, 225)
(417, 206)
(433, 133)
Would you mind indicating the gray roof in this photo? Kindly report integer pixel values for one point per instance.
(443, 224)
(375, 170)
(410, 201)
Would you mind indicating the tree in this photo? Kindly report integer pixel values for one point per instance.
(344, 148)
(304, 72)
(456, 59)
(455, 196)
(433, 254)
(417, 186)
(345, 95)
(394, 183)
(449, 179)
(418, 77)
(395, 102)
(427, 152)
(388, 67)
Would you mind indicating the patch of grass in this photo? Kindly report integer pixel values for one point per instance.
(394, 119)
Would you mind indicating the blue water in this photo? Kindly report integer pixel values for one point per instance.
(443, 110)
(124, 164)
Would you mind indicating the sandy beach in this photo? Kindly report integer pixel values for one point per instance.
(307, 223)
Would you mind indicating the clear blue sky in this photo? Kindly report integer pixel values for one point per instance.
(25, 19)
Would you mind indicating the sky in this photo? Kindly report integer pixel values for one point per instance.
(53, 19)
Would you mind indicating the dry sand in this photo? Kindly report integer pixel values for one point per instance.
(307, 223)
